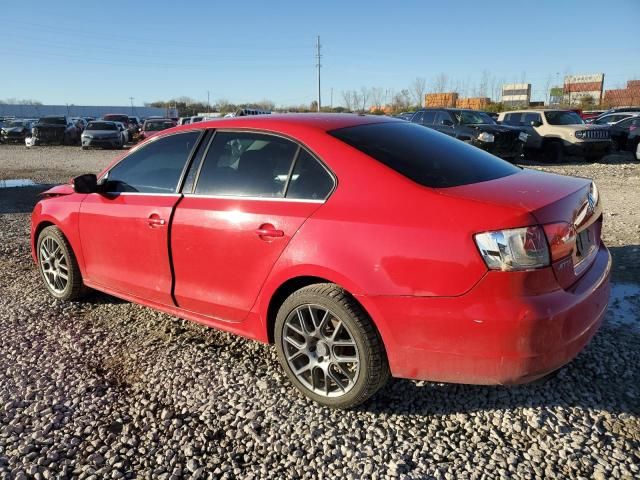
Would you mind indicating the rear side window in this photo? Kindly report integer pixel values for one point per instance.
(309, 180)
(154, 168)
(423, 155)
(246, 164)
(429, 117)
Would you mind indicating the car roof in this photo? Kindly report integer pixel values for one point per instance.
(317, 121)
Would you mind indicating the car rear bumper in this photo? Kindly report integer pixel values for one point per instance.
(495, 333)
(588, 148)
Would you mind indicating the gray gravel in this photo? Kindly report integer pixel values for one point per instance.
(106, 389)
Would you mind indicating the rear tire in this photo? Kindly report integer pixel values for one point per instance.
(329, 347)
(58, 265)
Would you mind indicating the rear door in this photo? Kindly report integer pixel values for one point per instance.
(124, 232)
(252, 194)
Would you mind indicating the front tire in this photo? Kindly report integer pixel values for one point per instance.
(329, 347)
(58, 265)
(553, 152)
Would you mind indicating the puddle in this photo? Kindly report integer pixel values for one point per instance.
(16, 182)
(624, 304)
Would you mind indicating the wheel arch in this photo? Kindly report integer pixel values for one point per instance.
(289, 286)
(36, 233)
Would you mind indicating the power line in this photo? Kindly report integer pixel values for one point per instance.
(319, 65)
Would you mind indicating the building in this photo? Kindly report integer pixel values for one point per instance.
(474, 103)
(35, 111)
(577, 87)
(452, 100)
(516, 94)
(447, 100)
(623, 97)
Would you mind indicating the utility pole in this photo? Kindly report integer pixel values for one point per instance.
(208, 106)
(331, 98)
(131, 99)
(318, 56)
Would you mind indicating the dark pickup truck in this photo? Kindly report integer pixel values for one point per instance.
(55, 130)
(476, 128)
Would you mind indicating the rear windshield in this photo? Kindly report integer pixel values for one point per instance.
(101, 126)
(157, 126)
(53, 120)
(425, 156)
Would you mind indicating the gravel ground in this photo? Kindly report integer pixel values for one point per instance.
(107, 389)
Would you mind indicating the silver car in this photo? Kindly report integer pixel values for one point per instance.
(105, 134)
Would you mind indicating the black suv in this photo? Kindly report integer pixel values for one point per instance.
(476, 128)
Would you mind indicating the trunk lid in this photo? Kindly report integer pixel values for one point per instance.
(548, 198)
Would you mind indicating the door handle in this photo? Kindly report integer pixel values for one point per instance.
(155, 221)
(269, 230)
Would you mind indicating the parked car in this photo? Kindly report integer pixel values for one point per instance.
(589, 115)
(105, 134)
(151, 127)
(474, 127)
(15, 131)
(405, 115)
(126, 133)
(625, 134)
(611, 118)
(467, 269)
(124, 119)
(79, 122)
(184, 120)
(55, 129)
(552, 134)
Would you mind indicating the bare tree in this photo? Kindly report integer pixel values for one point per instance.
(418, 89)
(347, 100)
(440, 83)
(364, 97)
(377, 97)
(484, 84)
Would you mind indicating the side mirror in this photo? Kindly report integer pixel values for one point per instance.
(536, 123)
(87, 183)
(446, 123)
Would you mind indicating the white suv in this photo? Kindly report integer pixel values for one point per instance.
(555, 133)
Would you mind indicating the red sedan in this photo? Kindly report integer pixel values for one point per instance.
(361, 246)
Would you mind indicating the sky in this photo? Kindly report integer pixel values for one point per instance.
(103, 53)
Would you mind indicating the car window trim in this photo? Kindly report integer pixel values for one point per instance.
(300, 146)
(191, 158)
(252, 198)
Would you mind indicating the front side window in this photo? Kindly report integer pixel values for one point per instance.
(527, 118)
(563, 117)
(466, 117)
(512, 119)
(423, 155)
(246, 164)
(443, 118)
(154, 168)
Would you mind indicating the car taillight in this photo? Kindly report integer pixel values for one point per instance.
(514, 249)
(562, 239)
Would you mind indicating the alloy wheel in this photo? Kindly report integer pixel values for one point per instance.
(54, 265)
(320, 350)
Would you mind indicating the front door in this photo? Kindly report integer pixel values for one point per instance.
(247, 205)
(124, 231)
